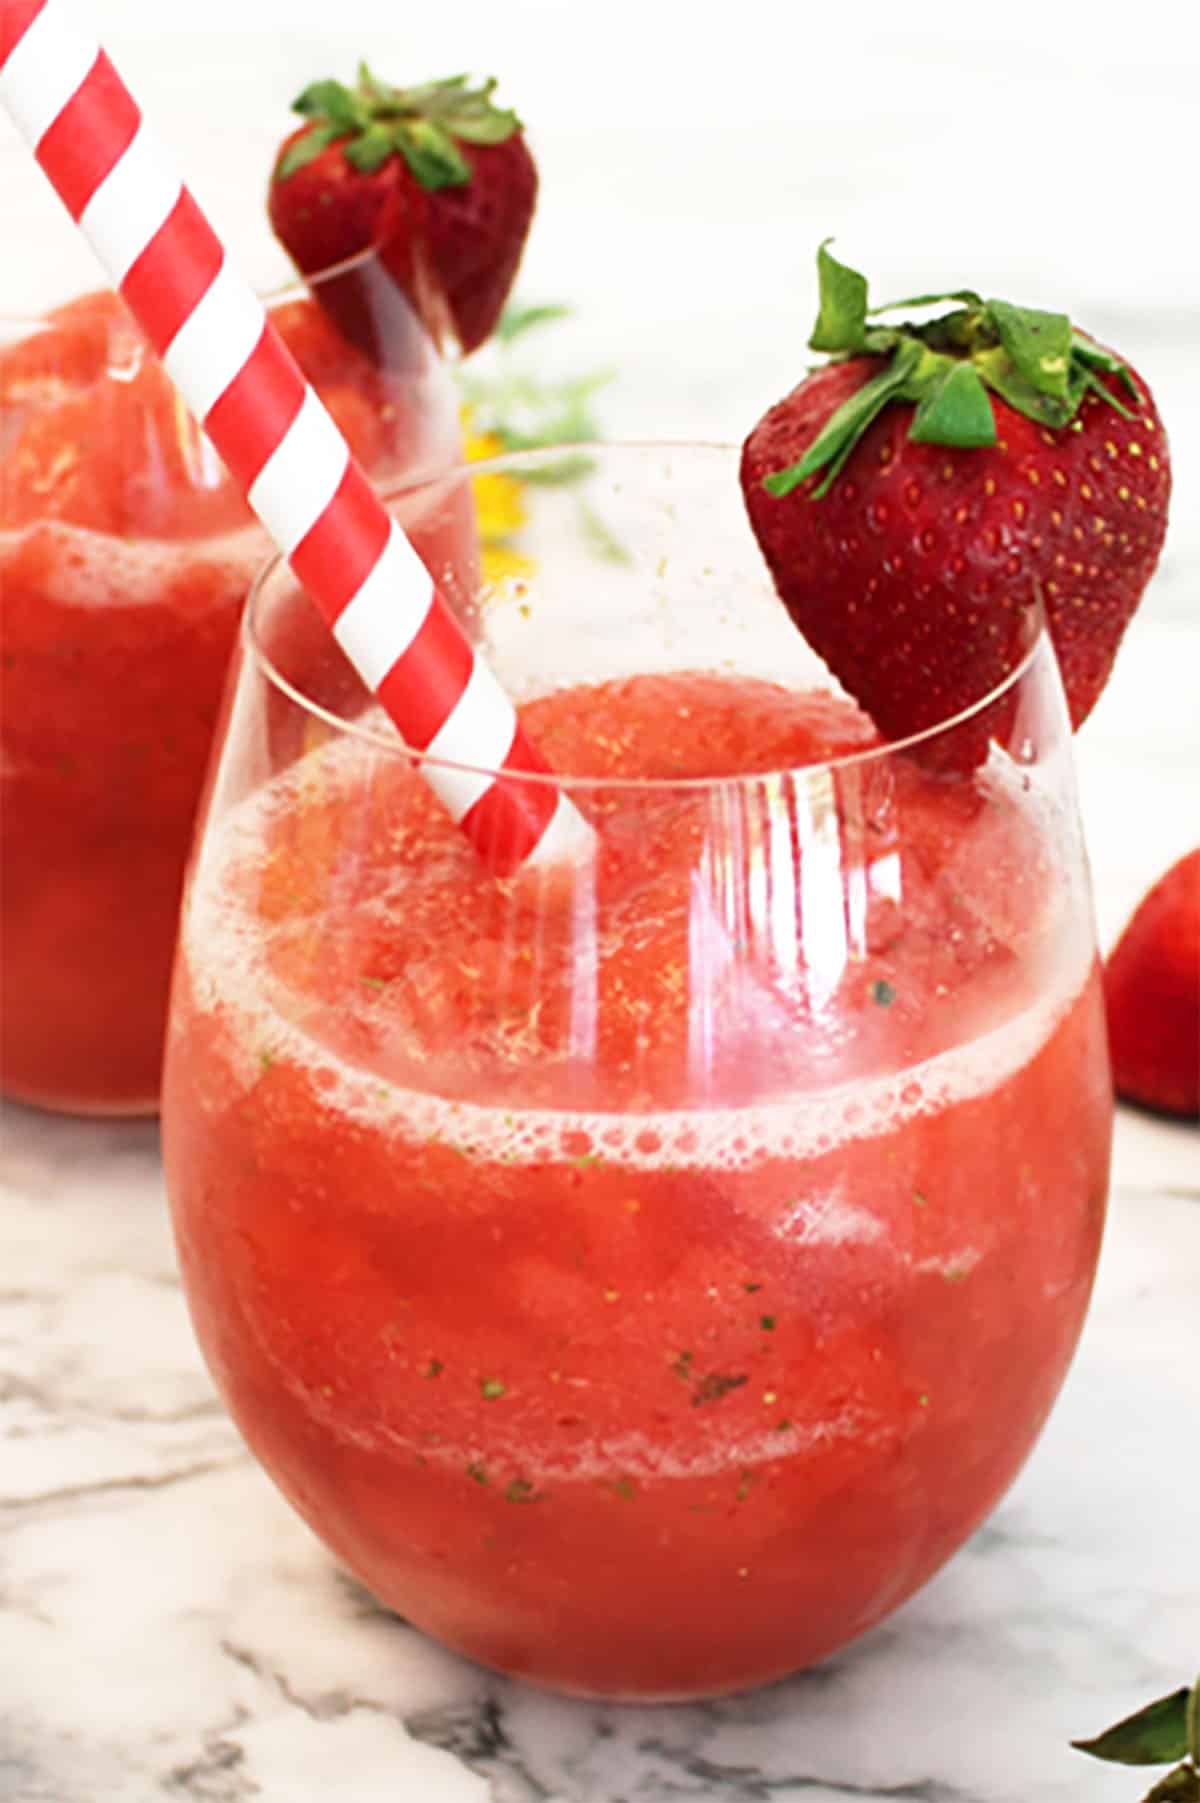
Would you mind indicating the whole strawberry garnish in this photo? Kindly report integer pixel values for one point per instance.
(435, 179)
(917, 495)
(1152, 988)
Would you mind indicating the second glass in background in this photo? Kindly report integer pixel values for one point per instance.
(126, 554)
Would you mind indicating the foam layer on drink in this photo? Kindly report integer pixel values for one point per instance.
(96, 570)
(227, 947)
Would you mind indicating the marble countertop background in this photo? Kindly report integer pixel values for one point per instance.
(168, 1629)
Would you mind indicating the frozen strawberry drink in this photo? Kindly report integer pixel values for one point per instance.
(125, 556)
(642, 1272)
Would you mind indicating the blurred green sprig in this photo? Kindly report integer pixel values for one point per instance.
(511, 400)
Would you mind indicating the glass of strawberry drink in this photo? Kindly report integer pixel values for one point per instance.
(126, 553)
(642, 1273)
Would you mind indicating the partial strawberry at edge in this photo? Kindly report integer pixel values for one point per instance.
(435, 180)
(916, 495)
(1152, 991)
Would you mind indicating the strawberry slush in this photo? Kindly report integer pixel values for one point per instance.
(641, 1319)
(125, 556)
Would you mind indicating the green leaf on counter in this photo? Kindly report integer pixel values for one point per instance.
(1180, 1786)
(1152, 1736)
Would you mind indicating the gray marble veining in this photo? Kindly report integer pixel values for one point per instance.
(169, 1631)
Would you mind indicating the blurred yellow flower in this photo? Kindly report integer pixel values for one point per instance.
(499, 506)
(508, 405)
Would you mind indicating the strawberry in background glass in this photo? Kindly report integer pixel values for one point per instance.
(436, 181)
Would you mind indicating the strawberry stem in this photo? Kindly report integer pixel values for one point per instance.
(426, 125)
(1033, 360)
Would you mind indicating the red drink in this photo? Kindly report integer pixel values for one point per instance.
(642, 1276)
(125, 556)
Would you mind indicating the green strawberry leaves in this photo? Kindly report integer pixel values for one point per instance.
(429, 151)
(425, 125)
(1165, 1730)
(334, 103)
(955, 409)
(306, 149)
(842, 320)
(842, 431)
(946, 369)
(1038, 344)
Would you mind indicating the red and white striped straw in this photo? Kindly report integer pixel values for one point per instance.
(279, 443)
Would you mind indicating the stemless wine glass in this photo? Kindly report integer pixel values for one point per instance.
(641, 1272)
(126, 553)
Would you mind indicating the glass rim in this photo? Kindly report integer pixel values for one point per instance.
(509, 463)
(273, 294)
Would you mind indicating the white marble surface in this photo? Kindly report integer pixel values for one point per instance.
(167, 1628)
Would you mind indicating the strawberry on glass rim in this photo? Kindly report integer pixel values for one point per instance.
(436, 180)
(918, 494)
